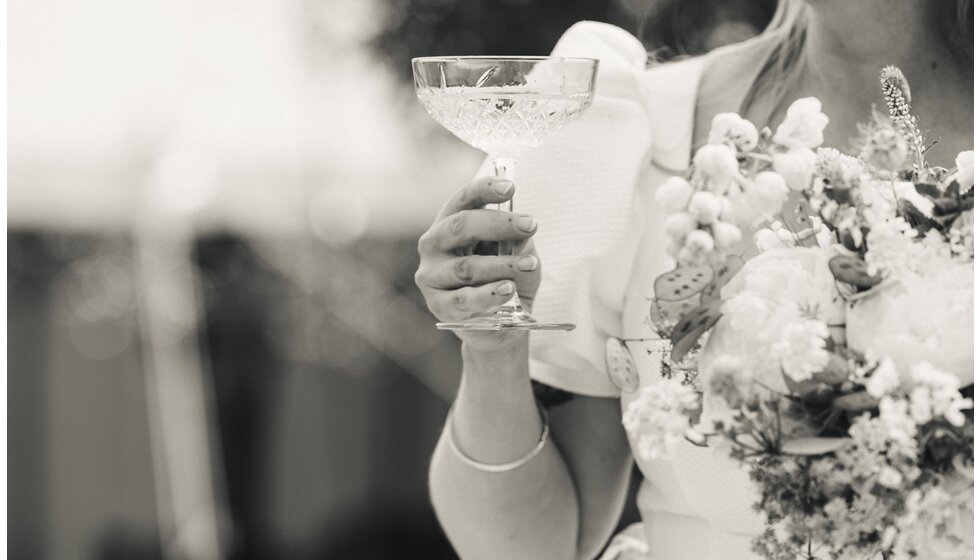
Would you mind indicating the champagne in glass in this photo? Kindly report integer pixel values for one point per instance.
(504, 106)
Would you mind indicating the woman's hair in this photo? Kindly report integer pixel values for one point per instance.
(955, 22)
(788, 27)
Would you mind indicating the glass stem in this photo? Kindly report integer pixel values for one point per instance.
(503, 168)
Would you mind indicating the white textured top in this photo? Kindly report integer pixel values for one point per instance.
(582, 186)
(601, 243)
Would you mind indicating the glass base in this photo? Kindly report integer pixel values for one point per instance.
(504, 320)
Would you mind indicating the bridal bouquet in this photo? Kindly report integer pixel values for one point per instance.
(837, 365)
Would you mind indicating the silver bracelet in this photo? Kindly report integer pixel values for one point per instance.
(505, 466)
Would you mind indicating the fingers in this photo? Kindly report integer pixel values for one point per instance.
(477, 194)
(476, 270)
(467, 228)
(468, 301)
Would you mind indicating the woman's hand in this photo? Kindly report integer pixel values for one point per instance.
(457, 276)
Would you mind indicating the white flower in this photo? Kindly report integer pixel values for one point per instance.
(840, 170)
(726, 235)
(674, 195)
(774, 237)
(889, 477)
(679, 225)
(699, 241)
(919, 315)
(717, 163)
(705, 207)
(822, 233)
(964, 170)
(936, 395)
(880, 199)
(751, 203)
(773, 290)
(898, 425)
(732, 129)
(883, 380)
(802, 349)
(796, 166)
(659, 417)
(803, 126)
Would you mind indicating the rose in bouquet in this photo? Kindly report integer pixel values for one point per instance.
(837, 365)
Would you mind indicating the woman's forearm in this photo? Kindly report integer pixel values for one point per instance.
(527, 512)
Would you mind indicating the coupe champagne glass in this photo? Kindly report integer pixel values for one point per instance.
(504, 106)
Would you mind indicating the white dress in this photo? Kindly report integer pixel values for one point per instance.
(601, 241)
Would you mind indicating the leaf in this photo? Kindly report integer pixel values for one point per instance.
(722, 276)
(812, 445)
(945, 206)
(856, 402)
(670, 312)
(682, 283)
(690, 328)
(928, 189)
(953, 189)
(916, 218)
(852, 270)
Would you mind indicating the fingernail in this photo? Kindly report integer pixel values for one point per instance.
(527, 263)
(506, 288)
(503, 187)
(526, 223)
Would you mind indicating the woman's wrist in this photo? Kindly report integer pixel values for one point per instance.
(498, 365)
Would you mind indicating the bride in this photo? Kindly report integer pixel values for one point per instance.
(511, 479)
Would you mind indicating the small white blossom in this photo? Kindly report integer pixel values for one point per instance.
(674, 195)
(883, 380)
(889, 477)
(730, 128)
(752, 202)
(726, 234)
(679, 225)
(660, 417)
(803, 126)
(936, 395)
(898, 425)
(796, 166)
(802, 349)
(705, 207)
(717, 163)
(964, 170)
(699, 241)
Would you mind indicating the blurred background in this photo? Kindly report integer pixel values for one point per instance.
(215, 345)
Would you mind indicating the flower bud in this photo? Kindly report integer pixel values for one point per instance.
(699, 242)
(717, 163)
(705, 207)
(803, 126)
(796, 167)
(964, 170)
(726, 235)
(673, 195)
(730, 128)
(679, 225)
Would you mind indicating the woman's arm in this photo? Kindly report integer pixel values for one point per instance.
(564, 503)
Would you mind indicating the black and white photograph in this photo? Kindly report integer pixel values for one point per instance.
(490, 280)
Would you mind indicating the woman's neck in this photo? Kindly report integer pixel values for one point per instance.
(844, 52)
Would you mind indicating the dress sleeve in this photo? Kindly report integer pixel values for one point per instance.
(581, 187)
